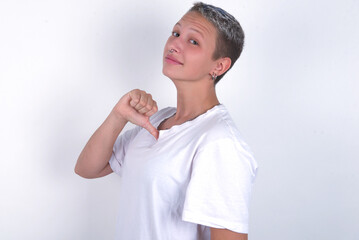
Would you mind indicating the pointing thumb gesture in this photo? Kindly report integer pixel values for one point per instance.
(137, 107)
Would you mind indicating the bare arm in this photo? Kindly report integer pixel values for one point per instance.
(225, 234)
(136, 106)
(93, 160)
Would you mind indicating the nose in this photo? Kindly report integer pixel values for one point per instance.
(175, 45)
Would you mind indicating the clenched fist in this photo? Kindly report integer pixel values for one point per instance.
(136, 107)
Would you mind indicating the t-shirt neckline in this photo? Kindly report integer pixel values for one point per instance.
(182, 125)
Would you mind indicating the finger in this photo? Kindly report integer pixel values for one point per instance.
(135, 97)
(142, 102)
(148, 106)
(150, 128)
(153, 110)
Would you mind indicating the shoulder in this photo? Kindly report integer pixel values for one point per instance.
(220, 125)
(220, 132)
(222, 143)
(161, 114)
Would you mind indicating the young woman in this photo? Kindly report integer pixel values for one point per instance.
(186, 172)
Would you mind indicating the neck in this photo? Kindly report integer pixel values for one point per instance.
(194, 99)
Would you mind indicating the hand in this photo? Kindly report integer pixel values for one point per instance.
(137, 106)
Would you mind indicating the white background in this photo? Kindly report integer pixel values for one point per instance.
(293, 93)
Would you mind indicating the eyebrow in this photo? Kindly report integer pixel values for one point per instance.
(193, 29)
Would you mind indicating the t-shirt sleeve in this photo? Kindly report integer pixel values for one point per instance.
(119, 148)
(219, 190)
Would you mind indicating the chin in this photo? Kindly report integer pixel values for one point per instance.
(173, 74)
(167, 72)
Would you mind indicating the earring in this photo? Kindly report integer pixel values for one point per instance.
(214, 76)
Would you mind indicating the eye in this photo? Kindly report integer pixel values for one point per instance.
(193, 42)
(175, 34)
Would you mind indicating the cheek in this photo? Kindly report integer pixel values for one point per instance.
(200, 58)
(202, 63)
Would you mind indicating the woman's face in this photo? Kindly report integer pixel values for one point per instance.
(193, 42)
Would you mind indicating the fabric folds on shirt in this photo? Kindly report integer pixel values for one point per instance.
(197, 175)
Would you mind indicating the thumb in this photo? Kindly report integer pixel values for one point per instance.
(150, 128)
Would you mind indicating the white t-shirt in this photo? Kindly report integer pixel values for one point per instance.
(196, 175)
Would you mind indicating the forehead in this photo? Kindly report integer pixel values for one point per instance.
(196, 21)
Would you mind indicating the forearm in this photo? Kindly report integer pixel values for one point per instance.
(136, 106)
(97, 152)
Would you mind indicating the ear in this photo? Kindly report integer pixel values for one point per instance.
(221, 65)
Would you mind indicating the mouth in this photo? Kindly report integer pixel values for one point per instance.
(172, 60)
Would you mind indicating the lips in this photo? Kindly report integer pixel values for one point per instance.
(172, 60)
